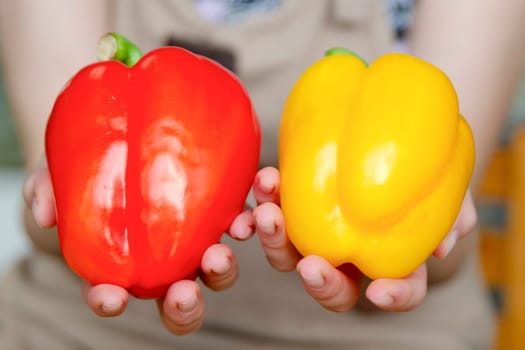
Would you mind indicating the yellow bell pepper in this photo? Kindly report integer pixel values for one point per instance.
(375, 161)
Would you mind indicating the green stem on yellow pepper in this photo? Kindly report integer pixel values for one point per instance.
(344, 51)
(114, 46)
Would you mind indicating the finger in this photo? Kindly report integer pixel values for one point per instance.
(332, 288)
(266, 186)
(219, 267)
(399, 294)
(29, 184)
(106, 300)
(465, 223)
(269, 225)
(467, 217)
(447, 245)
(29, 190)
(243, 226)
(38, 195)
(182, 310)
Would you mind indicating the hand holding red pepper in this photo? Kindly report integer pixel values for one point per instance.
(182, 309)
(150, 165)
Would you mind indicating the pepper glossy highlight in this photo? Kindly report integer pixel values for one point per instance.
(375, 161)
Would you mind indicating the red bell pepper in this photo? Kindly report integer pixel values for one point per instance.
(150, 164)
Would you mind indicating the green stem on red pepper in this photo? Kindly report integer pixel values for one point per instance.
(114, 46)
(343, 51)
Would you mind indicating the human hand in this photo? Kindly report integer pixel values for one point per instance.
(182, 309)
(338, 289)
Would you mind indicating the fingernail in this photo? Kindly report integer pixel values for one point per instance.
(34, 211)
(245, 232)
(222, 266)
(313, 279)
(189, 304)
(266, 185)
(268, 228)
(34, 206)
(382, 300)
(110, 306)
(448, 244)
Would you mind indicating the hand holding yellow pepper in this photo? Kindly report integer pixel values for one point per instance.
(375, 162)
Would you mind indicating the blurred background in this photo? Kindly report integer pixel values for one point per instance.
(13, 243)
(501, 207)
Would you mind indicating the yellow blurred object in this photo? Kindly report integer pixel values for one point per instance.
(503, 243)
(375, 161)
